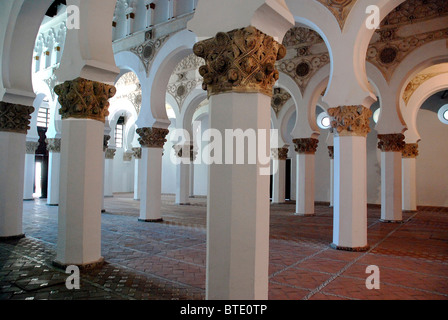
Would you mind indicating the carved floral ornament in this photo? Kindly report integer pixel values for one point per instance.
(350, 120)
(242, 60)
(15, 117)
(110, 153)
(410, 150)
(191, 151)
(393, 142)
(84, 99)
(53, 145)
(31, 147)
(137, 153)
(280, 153)
(331, 152)
(306, 145)
(152, 137)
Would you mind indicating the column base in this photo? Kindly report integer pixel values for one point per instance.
(28, 199)
(183, 204)
(151, 220)
(355, 249)
(52, 205)
(305, 214)
(409, 211)
(17, 237)
(391, 221)
(87, 266)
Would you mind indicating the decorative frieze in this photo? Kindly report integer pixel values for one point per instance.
(331, 152)
(152, 137)
(410, 150)
(31, 147)
(137, 153)
(280, 153)
(53, 145)
(393, 142)
(306, 145)
(84, 99)
(15, 117)
(241, 60)
(106, 139)
(350, 120)
(110, 153)
(279, 99)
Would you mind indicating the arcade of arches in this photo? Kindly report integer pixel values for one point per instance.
(87, 116)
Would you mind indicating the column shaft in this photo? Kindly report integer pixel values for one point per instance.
(391, 193)
(305, 188)
(54, 165)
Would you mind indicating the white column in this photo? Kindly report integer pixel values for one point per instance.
(137, 171)
(109, 172)
(293, 176)
(182, 154)
(331, 154)
(350, 177)
(305, 175)
(14, 124)
(81, 192)
(30, 156)
(409, 177)
(391, 146)
(279, 156)
(152, 141)
(82, 171)
(191, 189)
(54, 165)
(12, 163)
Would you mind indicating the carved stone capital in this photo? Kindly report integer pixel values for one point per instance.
(350, 120)
(110, 153)
(53, 145)
(137, 153)
(331, 152)
(106, 139)
(185, 151)
(241, 60)
(127, 156)
(152, 137)
(84, 99)
(410, 150)
(306, 145)
(280, 153)
(393, 142)
(31, 147)
(15, 117)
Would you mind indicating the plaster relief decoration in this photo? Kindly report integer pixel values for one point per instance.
(31, 147)
(279, 98)
(339, 8)
(350, 120)
(84, 99)
(148, 50)
(306, 145)
(393, 142)
(416, 82)
(152, 137)
(280, 153)
(405, 30)
(331, 152)
(130, 89)
(137, 152)
(410, 150)
(306, 54)
(241, 60)
(110, 153)
(53, 145)
(185, 78)
(15, 117)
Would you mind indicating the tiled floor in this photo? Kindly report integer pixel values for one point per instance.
(167, 260)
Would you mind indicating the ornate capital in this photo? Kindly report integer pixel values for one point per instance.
(53, 145)
(127, 156)
(106, 139)
(185, 151)
(410, 150)
(84, 99)
(15, 117)
(331, 152)
(393, 142)
(306, 145)
(350, 120)
(31, 147)
(241, 60)
(110, 153)
(280, 153)
(137, 153)
(152, 137)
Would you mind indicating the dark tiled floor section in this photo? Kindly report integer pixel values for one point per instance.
(166, 261)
